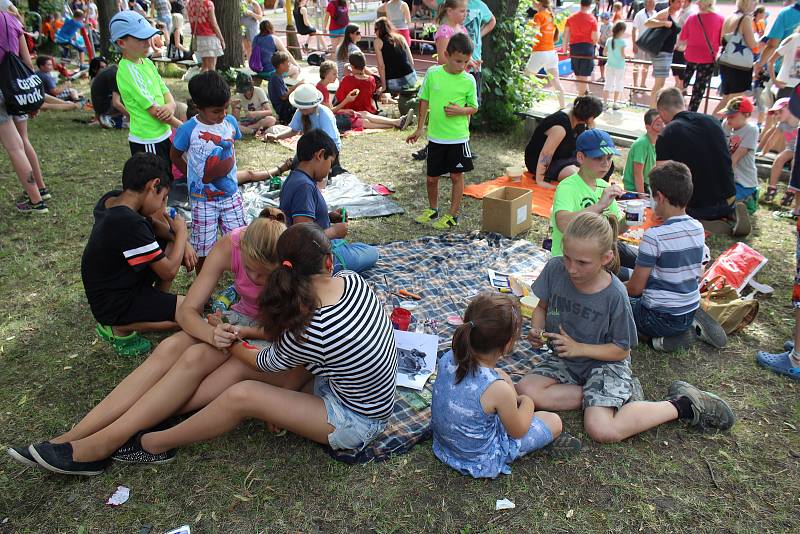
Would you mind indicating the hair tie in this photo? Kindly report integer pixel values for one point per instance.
(287, 264)
(471, 323)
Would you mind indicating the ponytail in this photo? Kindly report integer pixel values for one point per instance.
(490, 323)
(615, 264)
(289, 299)
(587, 107)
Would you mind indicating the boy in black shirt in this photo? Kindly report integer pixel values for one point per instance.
(133, 254)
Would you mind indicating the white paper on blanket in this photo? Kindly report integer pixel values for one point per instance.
(518, 284)
(416, 358)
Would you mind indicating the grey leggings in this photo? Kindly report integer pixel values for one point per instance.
(703, 78)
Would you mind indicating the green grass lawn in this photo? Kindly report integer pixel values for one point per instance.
(53, 370)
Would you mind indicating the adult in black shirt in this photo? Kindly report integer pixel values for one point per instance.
(106, 100)
(395, 62)
(698, 141)
(550, 154)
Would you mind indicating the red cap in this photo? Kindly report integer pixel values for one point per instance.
(742, 104)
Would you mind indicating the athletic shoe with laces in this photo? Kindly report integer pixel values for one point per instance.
(421, 154)
(709, 411)
(742, 226)
(106, 122)
(709, 330)
(22, 455)
(133, 453)
(57, 457)
(427, 216)
(29, 207)
(673, 343)
(446, 222)
(564, 445)
(43, 192)
(407, 120)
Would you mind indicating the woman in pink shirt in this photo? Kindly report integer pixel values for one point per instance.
(210, 43)
(700, 52)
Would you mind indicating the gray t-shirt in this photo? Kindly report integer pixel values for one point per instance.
(744, 173)
(597, 319)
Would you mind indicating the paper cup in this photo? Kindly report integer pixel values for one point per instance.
(634, 212)
(515, 173)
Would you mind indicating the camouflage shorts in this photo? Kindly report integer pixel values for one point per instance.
(609, 385)
(238, 319)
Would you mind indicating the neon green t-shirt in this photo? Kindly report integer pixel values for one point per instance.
(141, 87)
(441, 88)
(644, 152)
(572, 194)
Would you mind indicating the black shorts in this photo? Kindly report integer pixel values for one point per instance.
(148, 304)
(160, 149)
(582, 66)
(678, 58)
(556, 166)
(734, 80)
(443, 159)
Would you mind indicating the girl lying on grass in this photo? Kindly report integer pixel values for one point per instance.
(480, 424)
(188, 369)
(585, 315)
(330, 375)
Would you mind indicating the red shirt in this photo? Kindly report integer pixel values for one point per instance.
(581, 26)
(366, 88)
(326, 95)
(331, 9)
(198, 12)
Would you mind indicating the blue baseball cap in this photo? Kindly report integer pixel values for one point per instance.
(130, 23)
(596, 143)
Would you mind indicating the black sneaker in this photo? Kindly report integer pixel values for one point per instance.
(674, 343)
(57, 457)
(421, 154)
(43, 192)
(133, 453)
(22, 455)
(29, 207)
(709, 411)
(564, 445)
(709, 330)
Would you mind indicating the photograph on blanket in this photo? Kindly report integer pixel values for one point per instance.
(416, 357)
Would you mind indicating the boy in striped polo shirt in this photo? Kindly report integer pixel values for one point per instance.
(133, 254)
(664, 287)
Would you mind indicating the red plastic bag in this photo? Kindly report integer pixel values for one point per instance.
(736, 266)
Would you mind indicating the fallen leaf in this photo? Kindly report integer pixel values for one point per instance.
(22, 400)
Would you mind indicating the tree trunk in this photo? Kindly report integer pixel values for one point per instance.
(502, 9)
(292, 43)
(106, 9)
(229, 19)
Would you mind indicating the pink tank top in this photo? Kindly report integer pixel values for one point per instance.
(247, 290)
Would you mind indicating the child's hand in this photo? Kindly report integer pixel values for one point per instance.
(225, 335)
(537, 338)
(610, 194)
(336, 216)
(351, 95)
(340, 229)
(189, 258)
(163, 113)
(270, 138)
(451, 110)
(414, 137)
(563, 345)
(214, 319)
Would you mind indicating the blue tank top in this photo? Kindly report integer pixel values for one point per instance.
(464, 436)
(267, 45)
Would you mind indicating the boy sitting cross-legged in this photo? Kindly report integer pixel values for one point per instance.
(450, 95)
(133, 254)
(664, 287)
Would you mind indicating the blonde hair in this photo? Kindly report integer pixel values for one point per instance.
(708, 5)
(741, 5)
(600, 229)
(444, 6)
(260, 239)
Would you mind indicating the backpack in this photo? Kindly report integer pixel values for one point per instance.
(315, 59)
(22, 88)
(340, 15)
(255, 60)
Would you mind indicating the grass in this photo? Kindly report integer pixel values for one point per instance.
(53, 371)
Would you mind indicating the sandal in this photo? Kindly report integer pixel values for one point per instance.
(788, 198)
(778, 363)
(131, 345)
(788, 214)
(769, 196)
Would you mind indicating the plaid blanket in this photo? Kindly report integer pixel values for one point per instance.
(447, 271)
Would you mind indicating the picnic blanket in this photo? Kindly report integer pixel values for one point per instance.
(345, 190)
(446, 271)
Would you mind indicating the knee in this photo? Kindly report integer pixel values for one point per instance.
(200, 357)
(602, 432)
(432, 180)
(552, 421)
(239, 394)
(170, 349)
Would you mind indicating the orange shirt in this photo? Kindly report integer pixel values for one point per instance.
(547, 29)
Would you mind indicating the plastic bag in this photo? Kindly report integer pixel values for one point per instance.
(736, 266)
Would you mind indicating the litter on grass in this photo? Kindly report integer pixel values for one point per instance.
(120, 496)
(504, 504)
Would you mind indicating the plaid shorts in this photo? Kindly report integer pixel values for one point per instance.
(212, 216)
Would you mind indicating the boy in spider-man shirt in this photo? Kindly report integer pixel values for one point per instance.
(210, 167)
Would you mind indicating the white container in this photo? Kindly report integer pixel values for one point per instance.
(634, 212)
(515, 173)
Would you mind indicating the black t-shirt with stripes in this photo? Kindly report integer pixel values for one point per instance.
(351, 343)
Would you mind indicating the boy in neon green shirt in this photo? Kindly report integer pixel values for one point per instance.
(146, 97)
(586, 190)
(449, 95)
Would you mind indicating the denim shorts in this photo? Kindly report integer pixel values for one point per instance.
(653, 323)
(239, 319)
(350, 429)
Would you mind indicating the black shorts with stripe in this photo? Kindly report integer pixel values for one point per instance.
(160, 149)
(443, 159)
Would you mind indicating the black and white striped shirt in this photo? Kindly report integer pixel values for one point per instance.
(351, 343)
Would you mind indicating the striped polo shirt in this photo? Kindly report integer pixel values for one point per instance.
(674, 251)
(351, 343)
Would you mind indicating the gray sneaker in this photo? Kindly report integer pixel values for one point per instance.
(564, 445)
(674, 343)
(710, 411)
(709, 330)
